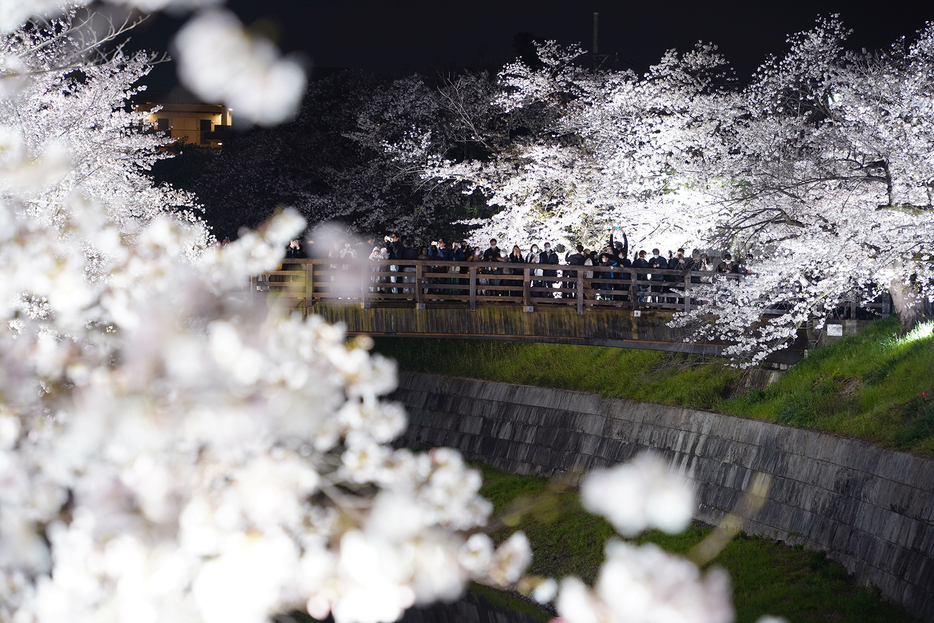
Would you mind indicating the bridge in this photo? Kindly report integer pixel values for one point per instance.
(591, 305)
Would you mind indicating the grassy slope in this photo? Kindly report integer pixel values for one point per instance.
(872, 386)
(767, 577)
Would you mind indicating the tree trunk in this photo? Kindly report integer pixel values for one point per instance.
(907, 303)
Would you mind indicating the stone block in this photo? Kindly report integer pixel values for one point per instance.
(607, 448)
(588, 444)
(590, 424)
(470, 424)
(616, 429)
(503, 430)
(622, 410)
(921, 474)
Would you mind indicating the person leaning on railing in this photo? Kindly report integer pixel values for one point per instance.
(534, 257)
(549, 256)
(515, 257)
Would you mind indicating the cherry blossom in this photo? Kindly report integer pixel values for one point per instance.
(170, 450)
(221, 62)
(640, 495)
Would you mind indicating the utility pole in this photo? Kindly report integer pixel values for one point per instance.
(596, 28)
(598, 59)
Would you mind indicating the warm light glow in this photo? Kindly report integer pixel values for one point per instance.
(922, 331)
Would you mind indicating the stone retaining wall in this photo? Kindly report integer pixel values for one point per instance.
(870, 509)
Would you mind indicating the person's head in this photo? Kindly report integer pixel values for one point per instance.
(534, 249)
(547, 246)
(641, 255)
(394, 237)
(695, 254)
(441, 244)
(516, 249)
(727, 257)
(580, 248)
(493, 243)
(654, 251)
(680, 252)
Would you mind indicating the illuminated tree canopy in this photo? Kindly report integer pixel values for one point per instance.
(818, 173)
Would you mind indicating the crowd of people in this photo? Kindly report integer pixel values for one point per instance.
(610, 283)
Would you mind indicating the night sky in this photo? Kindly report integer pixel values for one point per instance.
(404, 36)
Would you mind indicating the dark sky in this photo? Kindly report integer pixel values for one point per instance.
(420, 35)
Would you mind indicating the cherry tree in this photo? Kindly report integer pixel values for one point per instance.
(574, 152)
(171, 451)
(817, 173)
(70, 113)
(827, 183)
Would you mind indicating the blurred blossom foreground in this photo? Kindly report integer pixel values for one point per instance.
(170, 453)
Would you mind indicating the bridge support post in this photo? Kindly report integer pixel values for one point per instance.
(365, 279)
(687, 291)
(526, 293)
(309, 284)
(472, 277)
(419, 299)
(580, 292)
(633, 290)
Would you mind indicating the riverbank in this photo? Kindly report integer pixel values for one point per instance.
(876, 386)
(867, 507)
(768, 577)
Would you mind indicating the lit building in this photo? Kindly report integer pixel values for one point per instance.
(195, 124)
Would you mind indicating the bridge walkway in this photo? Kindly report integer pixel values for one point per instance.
(594, 305)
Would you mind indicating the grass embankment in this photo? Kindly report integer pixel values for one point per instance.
(767, 577)
(874, 386)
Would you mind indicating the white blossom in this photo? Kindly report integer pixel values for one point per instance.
(640, 495)
(170, 451)
(220, 61)
(642, 584)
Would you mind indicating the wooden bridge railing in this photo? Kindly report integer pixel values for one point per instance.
(388, 282)
(432, 282)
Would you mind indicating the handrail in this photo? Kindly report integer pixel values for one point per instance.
(443, 282)
(308, 282)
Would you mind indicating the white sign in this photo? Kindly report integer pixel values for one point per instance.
(835, 330)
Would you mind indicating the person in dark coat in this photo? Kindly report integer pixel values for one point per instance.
(620, 249)
(641, 262)
(491, 254)
(295, 251)
(680, 263)
(548, 256)
(657, 262)
(573, 259)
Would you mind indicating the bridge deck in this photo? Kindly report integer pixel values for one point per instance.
(473, 284)
(604, 306)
